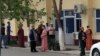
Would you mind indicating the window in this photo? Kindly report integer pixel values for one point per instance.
(72, 24)
(69, 25)
(69, 13)
(98, 13)
(78, 24)
(98, 25)
(78, 21)
(78, 15)
(97, 20)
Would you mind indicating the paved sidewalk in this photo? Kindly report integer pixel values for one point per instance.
(17, 51)
(74, 50)
(70, 49)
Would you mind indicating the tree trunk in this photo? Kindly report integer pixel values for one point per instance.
(57, 13)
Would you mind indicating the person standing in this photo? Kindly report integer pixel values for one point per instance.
(3, 37)
(8, 32)
(39, 31)
(51, 38)
(44, 43)
(33, 39)
(47, 26)
(82, 41)
(89, 38)
(21, 39)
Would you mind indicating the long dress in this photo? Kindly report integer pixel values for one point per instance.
(89, 39)
(39, 32)
(21, 39)
(44, 44)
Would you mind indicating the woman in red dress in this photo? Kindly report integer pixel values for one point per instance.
(89, 38)
(21, 40)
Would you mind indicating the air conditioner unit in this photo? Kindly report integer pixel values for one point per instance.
(79, 8)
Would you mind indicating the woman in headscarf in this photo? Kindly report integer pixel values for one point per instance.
(44, 43)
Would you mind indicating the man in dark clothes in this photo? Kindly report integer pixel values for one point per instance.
(82, 40)
(8, 33)
(51, 38)
(33, 36)
(3, 36)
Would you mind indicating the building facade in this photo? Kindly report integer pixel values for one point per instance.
(70, 21)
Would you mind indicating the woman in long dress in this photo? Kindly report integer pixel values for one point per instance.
(89, 38)
(44, 44)
(21, 40)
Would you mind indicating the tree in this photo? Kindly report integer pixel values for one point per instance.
(57, 14)
(20, 9)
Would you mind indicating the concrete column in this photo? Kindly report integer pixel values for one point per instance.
(49, 10)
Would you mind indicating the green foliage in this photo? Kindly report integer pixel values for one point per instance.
(20, 9)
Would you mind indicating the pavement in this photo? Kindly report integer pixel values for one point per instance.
(73, 50)
(17, 51)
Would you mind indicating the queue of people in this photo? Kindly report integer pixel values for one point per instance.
(44, 36)
(47, 38)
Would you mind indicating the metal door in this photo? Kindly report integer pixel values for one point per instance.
(69, 39)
